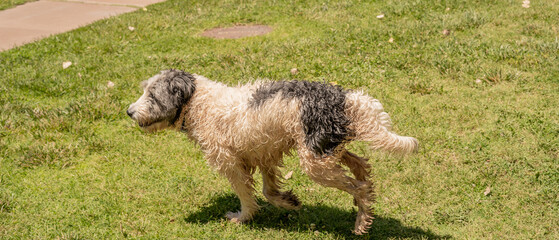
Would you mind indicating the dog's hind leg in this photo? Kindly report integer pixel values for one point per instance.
(240, 177)
(357, 165)
(326, 171)
(360, 169)
(271, 190)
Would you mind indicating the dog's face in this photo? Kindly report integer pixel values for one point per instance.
(164, 96)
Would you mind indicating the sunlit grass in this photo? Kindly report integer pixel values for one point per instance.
(5, 4)
(481, 97)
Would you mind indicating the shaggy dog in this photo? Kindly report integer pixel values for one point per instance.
(243, 128)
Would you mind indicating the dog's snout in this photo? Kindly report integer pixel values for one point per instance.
(130, 113)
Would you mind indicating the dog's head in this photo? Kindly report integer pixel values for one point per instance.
(164, 96)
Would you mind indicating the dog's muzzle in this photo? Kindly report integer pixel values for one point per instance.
(130, 113)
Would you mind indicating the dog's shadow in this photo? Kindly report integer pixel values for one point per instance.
(310, 218)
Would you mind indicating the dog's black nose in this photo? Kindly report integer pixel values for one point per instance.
(129, 112)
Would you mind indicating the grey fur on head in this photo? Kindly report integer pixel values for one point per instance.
(164, 96)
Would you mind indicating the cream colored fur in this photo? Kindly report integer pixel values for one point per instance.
(237, 139)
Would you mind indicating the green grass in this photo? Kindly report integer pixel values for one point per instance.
(74, 166)
(5, 4)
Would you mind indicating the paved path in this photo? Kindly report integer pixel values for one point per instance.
(36, 20)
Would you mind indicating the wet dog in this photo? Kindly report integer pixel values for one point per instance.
(241, 129)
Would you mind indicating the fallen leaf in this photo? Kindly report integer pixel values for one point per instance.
(66, 64)
(487, 191)
(288, 175)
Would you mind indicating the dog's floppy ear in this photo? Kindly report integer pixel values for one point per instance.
(182, 86)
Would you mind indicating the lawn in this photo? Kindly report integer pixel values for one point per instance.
(477, 82)
(5, 4)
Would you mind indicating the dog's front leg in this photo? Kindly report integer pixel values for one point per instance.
(271, 190)
(240, 177)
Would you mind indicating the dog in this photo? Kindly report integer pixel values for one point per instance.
(243, 128)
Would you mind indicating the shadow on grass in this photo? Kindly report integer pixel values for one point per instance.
(325, 219)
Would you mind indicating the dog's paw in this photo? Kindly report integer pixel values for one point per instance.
(362, 227)
(234, 217)
(363, 222)
(291, 200)
(360, 231)
(286, 200)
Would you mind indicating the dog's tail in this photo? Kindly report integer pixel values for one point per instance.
(370, 123)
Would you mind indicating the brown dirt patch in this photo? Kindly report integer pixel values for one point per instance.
(237, 31)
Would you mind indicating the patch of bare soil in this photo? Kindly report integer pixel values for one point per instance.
(237, 31)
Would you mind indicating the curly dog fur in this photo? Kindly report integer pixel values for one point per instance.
(252, 126)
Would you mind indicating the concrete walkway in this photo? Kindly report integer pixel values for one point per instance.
(36, 20)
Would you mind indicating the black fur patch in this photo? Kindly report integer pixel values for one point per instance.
(323, 116)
